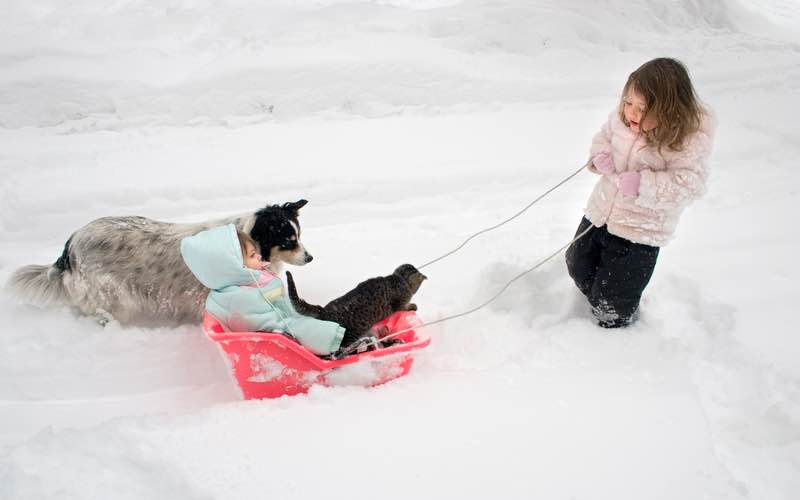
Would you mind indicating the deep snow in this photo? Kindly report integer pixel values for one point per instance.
(408, 125)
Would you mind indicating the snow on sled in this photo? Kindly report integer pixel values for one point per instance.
(271, 365)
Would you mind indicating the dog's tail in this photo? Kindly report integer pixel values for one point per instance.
(300, 305)
(42, 285)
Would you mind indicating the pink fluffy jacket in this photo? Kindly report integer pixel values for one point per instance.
(670, 180)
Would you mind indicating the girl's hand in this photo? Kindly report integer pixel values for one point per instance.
(629, 184)
(603, 163)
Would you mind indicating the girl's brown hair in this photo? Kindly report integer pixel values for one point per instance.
(244, 240)
(670, 98)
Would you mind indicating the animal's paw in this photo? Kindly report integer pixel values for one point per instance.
(367, 343)
(363, 344)
(103, 317)
(391, 342)
(411, 307)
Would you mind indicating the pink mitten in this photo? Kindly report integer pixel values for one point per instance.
(629, 184)
(603, 163)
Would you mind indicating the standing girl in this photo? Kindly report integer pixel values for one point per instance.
(652, 158)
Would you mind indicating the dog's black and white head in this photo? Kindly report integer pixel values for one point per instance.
(277, 231)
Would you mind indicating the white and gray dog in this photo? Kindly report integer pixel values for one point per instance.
(130, 268)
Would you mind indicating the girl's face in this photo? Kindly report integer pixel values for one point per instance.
(252, 259)
(635, 107)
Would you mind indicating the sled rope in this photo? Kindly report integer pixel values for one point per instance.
(494, 297)
(492, 228)
(539, 264)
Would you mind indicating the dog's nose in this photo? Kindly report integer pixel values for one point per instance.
(309, 258)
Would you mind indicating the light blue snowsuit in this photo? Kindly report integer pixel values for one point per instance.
(246, 300)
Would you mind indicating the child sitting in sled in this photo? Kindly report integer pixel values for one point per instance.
(245, 295)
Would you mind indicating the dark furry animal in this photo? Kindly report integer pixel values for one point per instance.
(365, 305)
(130, 268)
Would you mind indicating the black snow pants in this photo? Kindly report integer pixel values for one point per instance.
(612, 272)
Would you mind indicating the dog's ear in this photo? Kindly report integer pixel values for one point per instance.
(294, 207)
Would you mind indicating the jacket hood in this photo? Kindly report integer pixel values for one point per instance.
(215, 258)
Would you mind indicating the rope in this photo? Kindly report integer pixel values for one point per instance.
(496, 295)
(451, 252)
(354, 346)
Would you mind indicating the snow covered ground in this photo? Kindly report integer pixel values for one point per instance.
(408, 124)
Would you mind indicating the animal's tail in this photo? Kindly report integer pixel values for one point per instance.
(40, 285)
(300, 305)
(43, 285)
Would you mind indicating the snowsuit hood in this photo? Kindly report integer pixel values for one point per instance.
(215, 258)
(246, 300)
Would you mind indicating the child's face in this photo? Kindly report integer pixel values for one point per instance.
(252, 259)
(635, 107)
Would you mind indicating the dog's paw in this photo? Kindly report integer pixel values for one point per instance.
(103, 317)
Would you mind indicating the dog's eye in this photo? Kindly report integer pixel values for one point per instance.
(288, 245)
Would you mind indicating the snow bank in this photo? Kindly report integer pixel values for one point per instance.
(104, 67)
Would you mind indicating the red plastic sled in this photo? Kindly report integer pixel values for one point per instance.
(271, 365)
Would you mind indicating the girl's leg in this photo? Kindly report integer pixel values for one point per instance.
(624, 272)
(583, 257)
